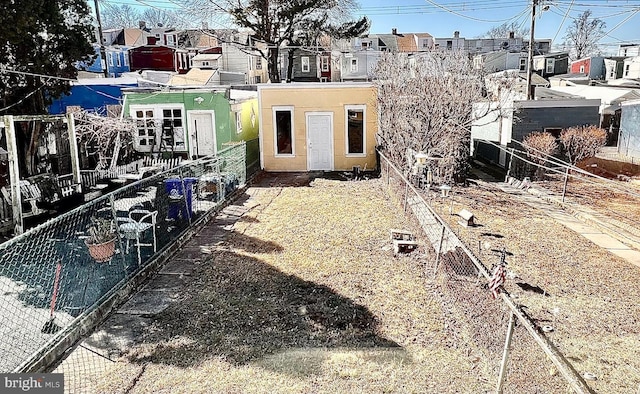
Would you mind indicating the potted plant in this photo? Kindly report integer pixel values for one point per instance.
(101, 241)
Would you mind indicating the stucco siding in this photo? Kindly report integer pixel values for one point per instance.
(305, 100)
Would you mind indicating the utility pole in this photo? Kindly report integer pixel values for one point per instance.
(531, 44)
(103, 52)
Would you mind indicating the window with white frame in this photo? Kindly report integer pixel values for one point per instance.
(258, 63)
(324, 63)
(283, 131)
(110, 58)
(355, 129)
(239, 121)
(581, 69)
(125, 58)
(171, 39)
(118, 61)
(146, 127)
(550, 65)
(626, 70)
(366, 44)
(305, 64)
(158, 127)
(523, 64)
(172, 130)
(354, 65)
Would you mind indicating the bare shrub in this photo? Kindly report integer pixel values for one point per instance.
(540, 145)
(581, 142)
(425, 102)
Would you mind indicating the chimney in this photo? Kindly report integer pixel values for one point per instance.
(394, 31)
(142, 25)
(512, 35)
(456, 34)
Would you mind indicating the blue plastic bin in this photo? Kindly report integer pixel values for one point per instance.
(180, 201)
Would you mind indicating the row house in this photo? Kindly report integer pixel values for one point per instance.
(608, 68)
(307, 65)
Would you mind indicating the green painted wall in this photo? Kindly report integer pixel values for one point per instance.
(225, 120)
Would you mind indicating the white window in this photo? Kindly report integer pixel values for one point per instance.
(354, 65)
(110, 58)
(581, 69)
(550, 65)
(171, 39)
(626, 70)
(258, 63)
(366, 44)
(159, 128)
(324, 61)
(305, 64)
(239, 122)
(355, 130)
(523, 64)
(426, 43)
(146, 128)
(257, 79)
(205, 63)
(283, 134)
(118, 61)
(126, 59)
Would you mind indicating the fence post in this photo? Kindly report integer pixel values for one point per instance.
(14, 174)
(506, 178)
(435, 268)
(406, 195)
(505, 354)
(564, 186)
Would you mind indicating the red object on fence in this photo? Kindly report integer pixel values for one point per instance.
(55, 288)
(497, 280)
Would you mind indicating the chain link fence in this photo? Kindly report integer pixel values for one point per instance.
(59, 272)
(525, 361)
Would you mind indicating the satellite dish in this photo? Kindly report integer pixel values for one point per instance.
(505, 44)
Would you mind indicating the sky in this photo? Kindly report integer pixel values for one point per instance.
(472, 19)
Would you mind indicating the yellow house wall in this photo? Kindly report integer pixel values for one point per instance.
(305, 100)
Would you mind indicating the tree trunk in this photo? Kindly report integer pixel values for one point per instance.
(290, 64)
(272, 64)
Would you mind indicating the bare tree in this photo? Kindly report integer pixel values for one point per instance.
(119, 17)
(539, 146)
(581, 142)
(583, 34)
(276, 22)
(160, 18)
(426, 103)
(505, 29)
(107, 138)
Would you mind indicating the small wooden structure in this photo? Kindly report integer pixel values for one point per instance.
(466, 218)
(403, 241)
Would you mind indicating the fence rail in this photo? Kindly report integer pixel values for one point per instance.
(461, 270)
(51, 277)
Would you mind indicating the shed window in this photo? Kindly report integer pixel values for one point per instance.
(305, 64)
(283, 119)
(354, 65)
(158, 127)
(355, 124)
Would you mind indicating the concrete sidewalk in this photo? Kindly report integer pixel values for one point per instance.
(610, 234)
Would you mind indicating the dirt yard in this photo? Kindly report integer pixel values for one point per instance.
(589, 296)
(306, 296)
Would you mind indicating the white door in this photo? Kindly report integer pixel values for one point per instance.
(203, 133)
(320, 141)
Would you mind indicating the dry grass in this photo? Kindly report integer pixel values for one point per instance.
(590, 296)
(305, 296)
